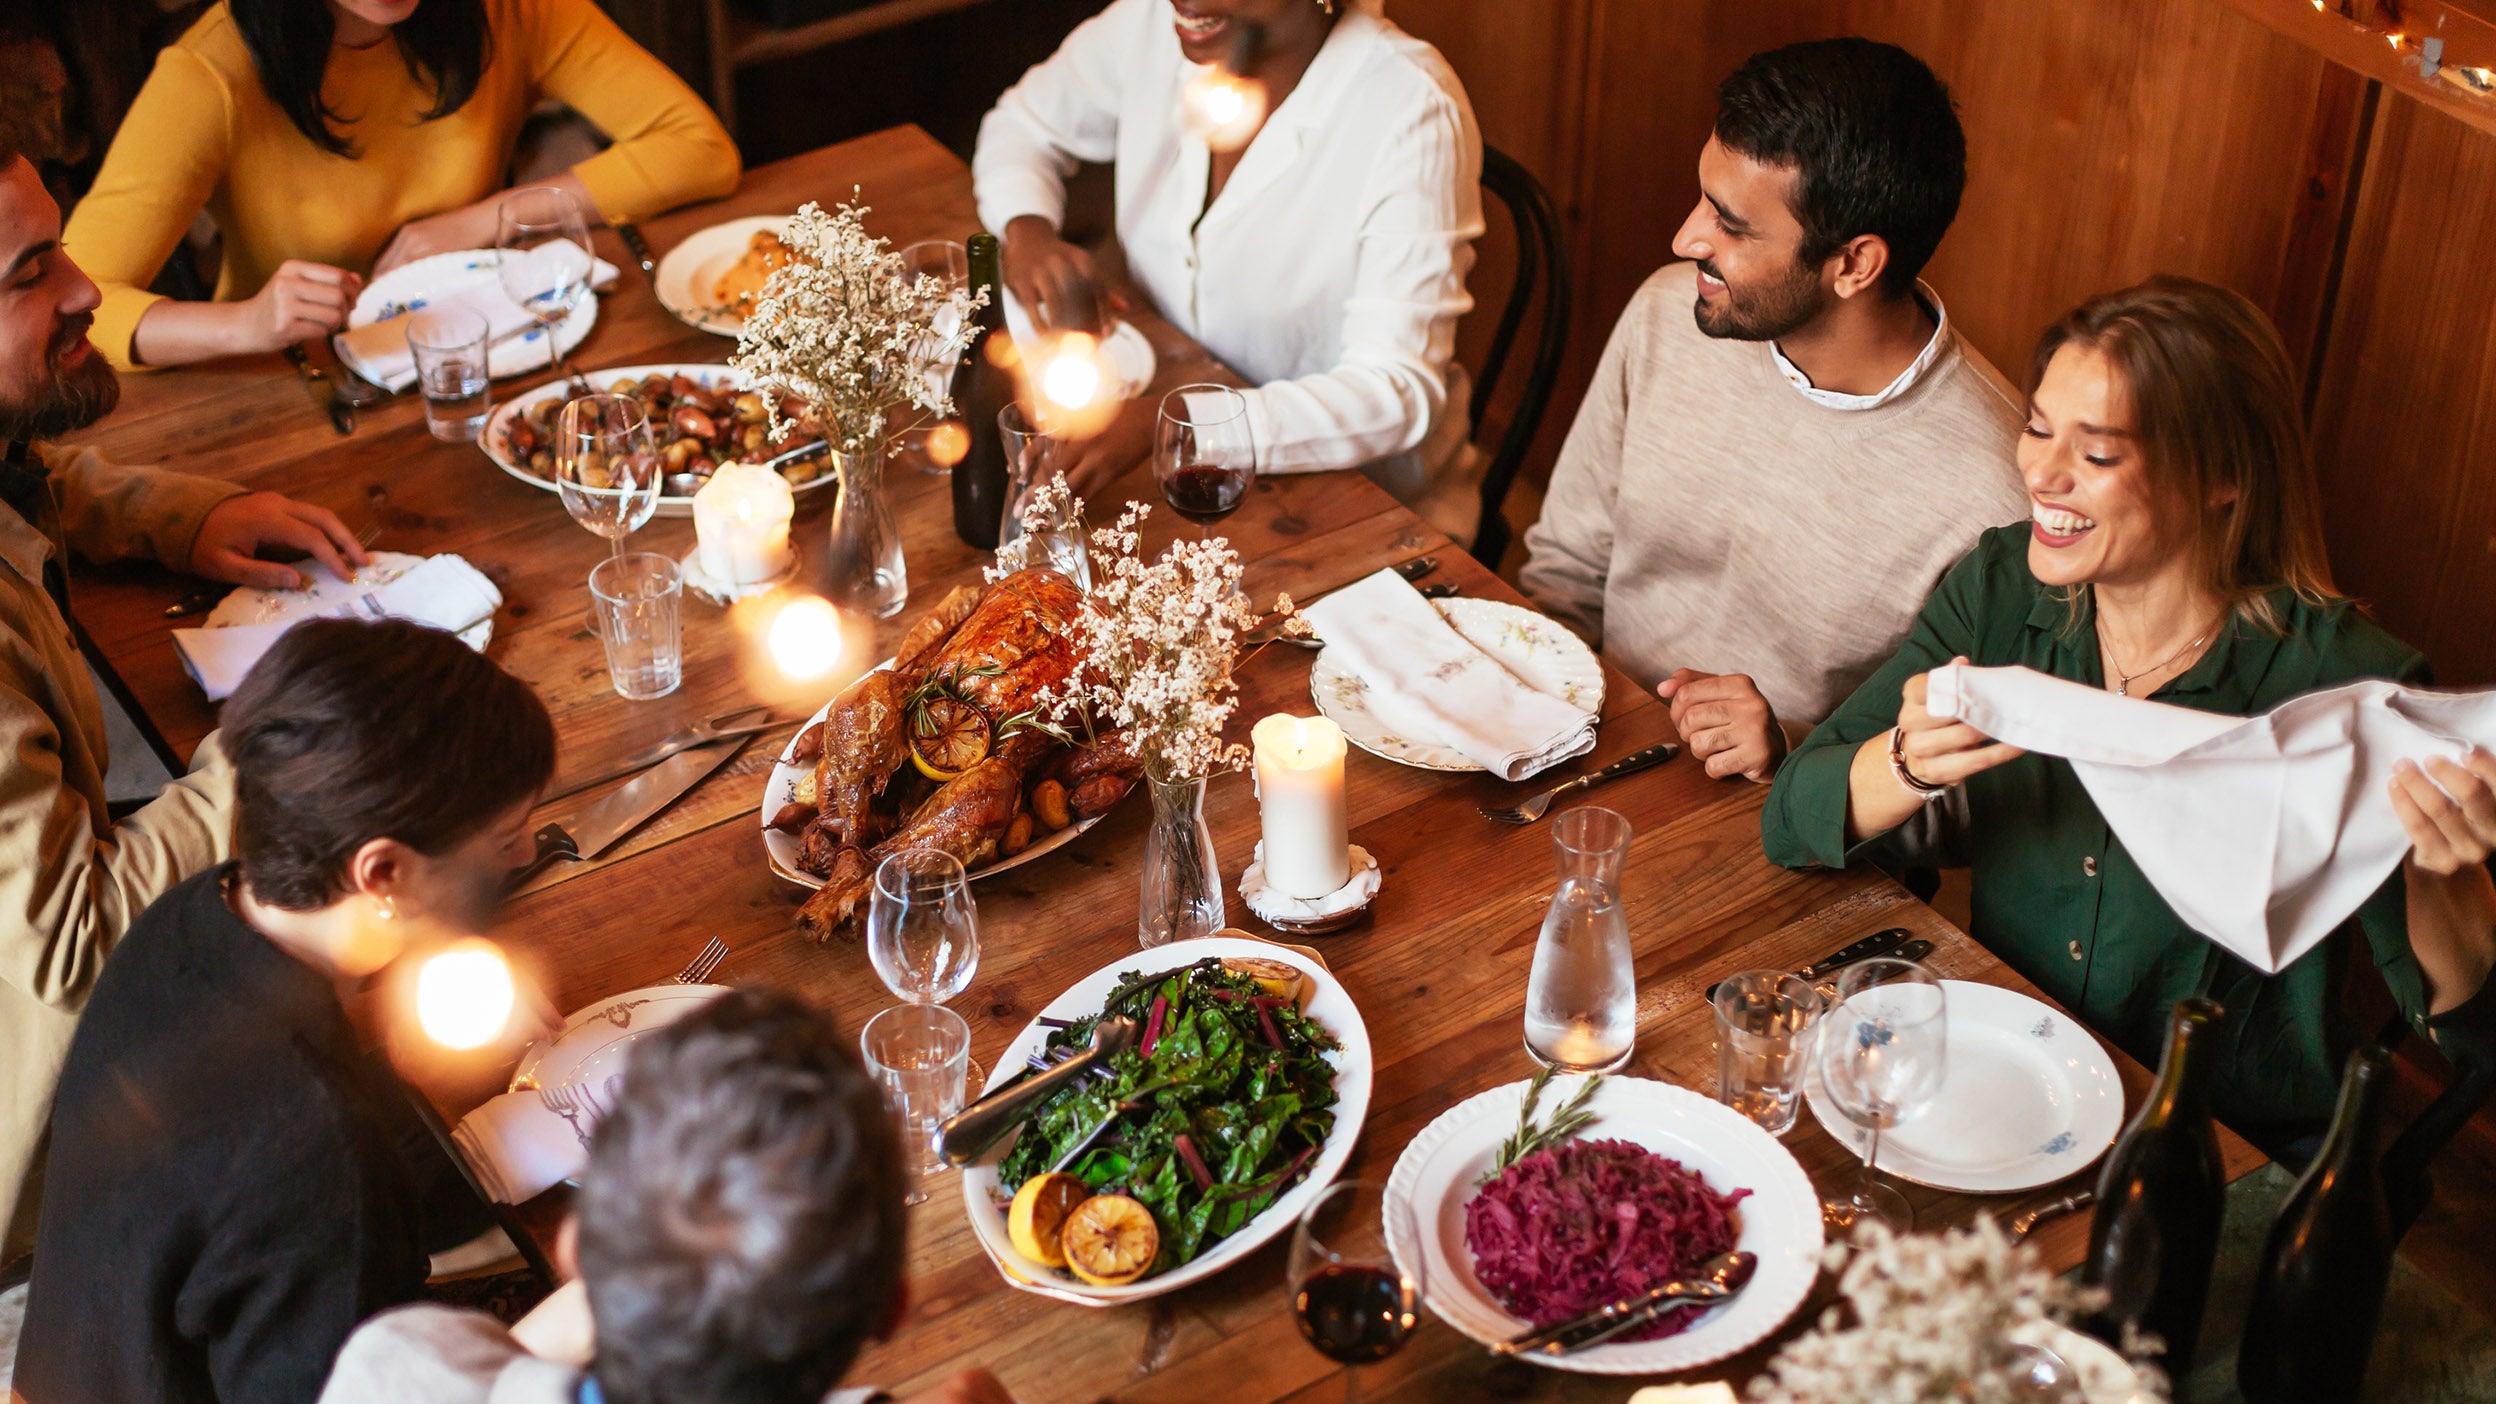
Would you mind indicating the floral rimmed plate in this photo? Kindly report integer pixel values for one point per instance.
(412, 285)
(593, 1040)
(1538, 649)
(2028, 1097)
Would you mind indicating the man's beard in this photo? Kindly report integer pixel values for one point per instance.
(72, 399)
(1766, 315)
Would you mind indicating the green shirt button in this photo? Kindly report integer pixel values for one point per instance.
(2077, 953)
(2088, 866)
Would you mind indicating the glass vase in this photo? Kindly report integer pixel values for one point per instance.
(1182, 896)
(864, 570)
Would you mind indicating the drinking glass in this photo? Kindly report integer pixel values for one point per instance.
(923, 926)
(1581, 1001)
(920, 1055)
(1351, 1298)
(637, 597)
(1764, 1031)
(950, 263)
(449, 345)
(541, 253)
(1883, 1050)
(1031, 463)
(1204, 453)
(607, 465)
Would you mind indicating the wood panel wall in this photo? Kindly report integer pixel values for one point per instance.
(2106, 142)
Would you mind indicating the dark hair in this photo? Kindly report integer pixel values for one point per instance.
(2216, 413)
(741, 1213)
(1873, 140)
(446, 45)
(347, 731)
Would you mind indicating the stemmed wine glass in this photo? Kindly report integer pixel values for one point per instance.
(923, 928)
(1883, 1051)
(1351, 1298)
(541, 253)
(949, 263)
(1204, 453)
(607, 465)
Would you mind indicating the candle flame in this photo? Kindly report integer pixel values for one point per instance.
(464, 994)
(804, 638)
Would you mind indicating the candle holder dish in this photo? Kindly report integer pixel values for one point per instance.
(1320, 916)
(728, 592)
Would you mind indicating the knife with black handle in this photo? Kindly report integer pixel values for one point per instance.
(1879, 943)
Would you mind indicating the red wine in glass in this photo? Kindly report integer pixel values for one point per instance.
(1354, 1313)
(1205, 493)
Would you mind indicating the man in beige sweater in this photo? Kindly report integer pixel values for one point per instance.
(71, 879)
(1786, 444)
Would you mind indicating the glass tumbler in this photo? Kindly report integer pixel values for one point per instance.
(449, 346)
(1765, 1024)
(921, 1057)
(1581, 1001)
(638, 594)
(1031, 463)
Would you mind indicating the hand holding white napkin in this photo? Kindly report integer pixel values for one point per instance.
(518, 1147)
(378, 351)
(1426, 681)
(2264, 833)
(442, 591)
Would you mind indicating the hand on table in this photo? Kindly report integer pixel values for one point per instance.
(301, 301)
(1943, 752)
(1055, 281)
(239, 527)
(1726, 723)
(468, 227)
(967, 1387)
(2448, 810)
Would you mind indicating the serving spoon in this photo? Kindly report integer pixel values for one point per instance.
(968, 1133)
(1716, 1279)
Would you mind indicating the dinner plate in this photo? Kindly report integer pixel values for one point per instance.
(1328, 1003)
(592, 1045)
(1535, 647)
(496, 440)
(1780, 1220)
(781, 787)
(2028, 1097)
(322, 594)
(414, 284)
(689, 273)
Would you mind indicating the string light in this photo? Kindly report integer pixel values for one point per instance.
(464, 994)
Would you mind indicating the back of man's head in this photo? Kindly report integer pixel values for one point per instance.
(1871, 137)
(741, 1213)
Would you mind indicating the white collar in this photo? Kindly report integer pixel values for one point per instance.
(1831, 399)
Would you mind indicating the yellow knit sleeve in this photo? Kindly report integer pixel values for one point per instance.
(669, 149)
(165, 162)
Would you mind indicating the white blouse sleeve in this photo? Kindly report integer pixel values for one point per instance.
(1064, 112)
(1389, 385)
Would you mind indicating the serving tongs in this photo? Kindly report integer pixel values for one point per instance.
(967, 1134)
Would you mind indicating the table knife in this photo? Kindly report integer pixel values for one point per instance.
(324, 393)
(630, 233)
(1727, 1276)
(593, 830)
(1879, 943)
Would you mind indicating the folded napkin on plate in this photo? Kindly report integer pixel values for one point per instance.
(518, 1147)
(2264, 833)
(442, 591)
(1426, 681)
(378, 350)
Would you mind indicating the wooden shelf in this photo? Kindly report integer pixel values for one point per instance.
(2361, 40)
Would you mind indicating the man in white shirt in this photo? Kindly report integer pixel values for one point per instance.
(1786, 444)
(737, 1239)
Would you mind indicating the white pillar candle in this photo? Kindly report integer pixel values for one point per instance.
(1300, 797)
(741, 522)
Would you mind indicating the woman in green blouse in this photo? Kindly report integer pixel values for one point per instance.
(2174, 551)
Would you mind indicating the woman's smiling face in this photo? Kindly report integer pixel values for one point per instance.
(2096, 516)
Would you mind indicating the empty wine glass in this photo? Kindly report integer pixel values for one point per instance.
(1883, 1050)
(1351, 1298)
(607, 466)
(923, 926)
(1204, 453)
(541, 253)
(950, 264)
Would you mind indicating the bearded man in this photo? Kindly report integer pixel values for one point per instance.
(72, 879)
(1786, 444)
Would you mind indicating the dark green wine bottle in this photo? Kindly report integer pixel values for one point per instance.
(2159, 1197)
(981, 389)
(2319, 1293)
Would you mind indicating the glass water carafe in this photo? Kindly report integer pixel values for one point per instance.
(1581, 1002)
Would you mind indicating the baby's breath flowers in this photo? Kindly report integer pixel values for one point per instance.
(844, 327)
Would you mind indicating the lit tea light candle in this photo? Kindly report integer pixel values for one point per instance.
(741, 524)
(804, 638)
(1300, 798)
(464, 994)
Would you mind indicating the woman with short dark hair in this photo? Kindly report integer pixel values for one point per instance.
(331, 139)
(234, 1182)
(2175, 551)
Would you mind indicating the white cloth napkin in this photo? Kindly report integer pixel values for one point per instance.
(2264, 833)
(378, 350)
(1426, 681)
(518, 1147)
(443, 591)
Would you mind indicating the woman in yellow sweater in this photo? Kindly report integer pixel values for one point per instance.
(331, 138)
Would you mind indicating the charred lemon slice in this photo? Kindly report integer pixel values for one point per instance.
(1037, 1220)
(1110, 1240)
(1275, 977)
(947, 736)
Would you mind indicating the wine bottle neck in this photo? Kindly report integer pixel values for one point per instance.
(987, 275)
(2183, 1087)
(2357, 1120)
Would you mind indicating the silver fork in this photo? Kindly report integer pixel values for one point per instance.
(1539, 805)
(571, 1106)
(698, 970)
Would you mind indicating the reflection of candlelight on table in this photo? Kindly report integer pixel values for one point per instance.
(741, 522)
(1300, 797)
(464, 994)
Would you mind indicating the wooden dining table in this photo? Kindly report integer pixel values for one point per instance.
(1438, 967)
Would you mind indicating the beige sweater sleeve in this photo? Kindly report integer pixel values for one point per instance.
(1569, 550)
(110, 512)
